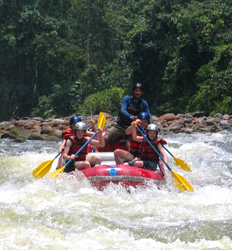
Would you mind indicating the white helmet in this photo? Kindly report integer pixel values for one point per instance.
(80, 126)
(153, 127)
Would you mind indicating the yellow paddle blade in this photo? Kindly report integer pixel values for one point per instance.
(42, 169)
(56, 173)
(182, 163)
(181, 182)
(101, 120)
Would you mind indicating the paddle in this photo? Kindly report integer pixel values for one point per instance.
(180, 181)
(100, 124)
(43, 168)
(179, 162)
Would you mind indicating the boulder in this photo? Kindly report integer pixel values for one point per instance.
(9, 135)
(167, 117)
(210, 121)
(19, 139)
(225, 124)
(56, 132)
(36, 136)
(21, 123)
(218, 115)
(37, 128)
(175, 127)
(46, 129)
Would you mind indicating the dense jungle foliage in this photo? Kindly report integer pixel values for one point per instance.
(59, 57)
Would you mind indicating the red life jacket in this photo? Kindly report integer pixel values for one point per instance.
(162, 141)
(134, 145)
(67, 133)
(147, 152)
(76, 145)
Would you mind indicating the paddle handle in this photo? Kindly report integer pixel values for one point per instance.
(69, 161)
(157, 152)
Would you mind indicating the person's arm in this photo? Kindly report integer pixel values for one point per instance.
(66, 151)
(163, 154)
(101, 142)
(125, 102)
(93, 125)
(134, 133)
(129, 130)
(61, 147)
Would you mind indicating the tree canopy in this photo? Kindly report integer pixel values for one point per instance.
(59, 57)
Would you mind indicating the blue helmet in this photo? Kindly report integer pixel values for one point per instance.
(144, 116)
(74, 119)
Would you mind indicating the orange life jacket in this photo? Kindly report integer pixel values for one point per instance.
(67, 133)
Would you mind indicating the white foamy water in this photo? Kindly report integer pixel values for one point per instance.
(69, 214)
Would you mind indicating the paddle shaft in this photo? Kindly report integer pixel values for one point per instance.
(144, 134)
(43, 167)
(179, 162)
(57, 155)
(181, 183)
(69, 161)
(157, 152)
(168, 151)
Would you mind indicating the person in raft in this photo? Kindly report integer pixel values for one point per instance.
(131, 106)
(149, 159)
(70, 132)
(74, 143)
(121, 155)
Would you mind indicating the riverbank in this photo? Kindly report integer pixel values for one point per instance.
(37, 128)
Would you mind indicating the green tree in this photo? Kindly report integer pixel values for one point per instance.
(177, 40)
(108, 101)
(54, 54)
(35, 53)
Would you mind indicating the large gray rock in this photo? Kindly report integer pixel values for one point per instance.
(175, 127)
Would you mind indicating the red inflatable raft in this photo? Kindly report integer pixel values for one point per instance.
(101, 176)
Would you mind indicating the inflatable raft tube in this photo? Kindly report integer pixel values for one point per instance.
(127, 176)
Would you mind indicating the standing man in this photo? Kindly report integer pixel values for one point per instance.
(130, 108)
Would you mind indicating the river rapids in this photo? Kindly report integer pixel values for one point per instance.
(69, 214)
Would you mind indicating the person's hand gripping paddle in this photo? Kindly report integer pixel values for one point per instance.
(101, 124)
(180, 181)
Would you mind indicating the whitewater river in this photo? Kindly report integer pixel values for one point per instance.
(69, 214)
